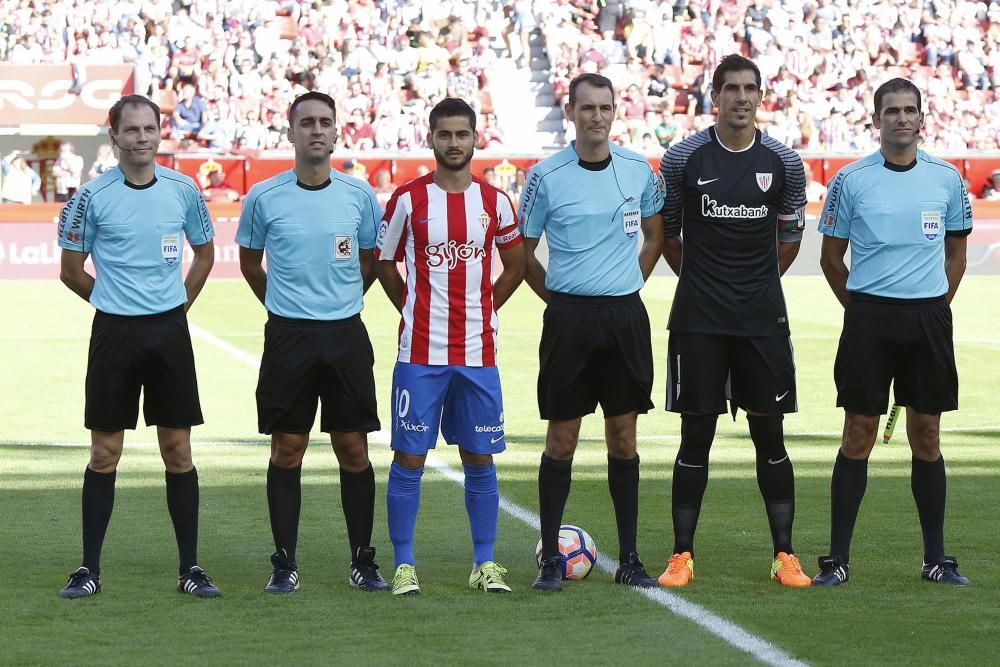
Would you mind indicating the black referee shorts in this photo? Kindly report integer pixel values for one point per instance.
(755, 373)
(905, 342)
(594, 350)
(148, 352)
(309, 360)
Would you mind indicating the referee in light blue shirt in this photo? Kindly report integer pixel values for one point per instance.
(906, 218)
(317, 229)
(133, 221)
(592, 200)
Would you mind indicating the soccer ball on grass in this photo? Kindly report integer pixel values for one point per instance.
(577, 551)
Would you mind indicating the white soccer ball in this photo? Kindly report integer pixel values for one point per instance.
(577, 552)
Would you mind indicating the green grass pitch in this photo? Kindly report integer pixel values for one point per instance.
(885, 615)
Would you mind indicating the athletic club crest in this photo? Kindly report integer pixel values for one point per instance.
(764, 181)
(484, 220)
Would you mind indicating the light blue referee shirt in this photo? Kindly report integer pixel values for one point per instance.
(135, 235)
(591, 219)
(310, 237)
(896, 219)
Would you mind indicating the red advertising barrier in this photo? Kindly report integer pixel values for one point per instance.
(28, 248)
(40, 94)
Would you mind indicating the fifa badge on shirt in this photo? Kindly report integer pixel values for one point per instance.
(930, 222)
(764, 180)
(343, 247)
(630, 223)
(170, 247)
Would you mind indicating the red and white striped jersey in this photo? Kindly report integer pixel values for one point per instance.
(447, 241)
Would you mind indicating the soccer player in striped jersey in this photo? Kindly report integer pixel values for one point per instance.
(445, 226)
(906, 218)
(317, 228)
(132, 221)
(736, 197)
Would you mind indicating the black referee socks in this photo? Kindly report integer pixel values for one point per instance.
(847, 489)
(554, 477)
(357, 495)
(623, 482)
(930, 490)
(182, 503)
(284, 501)
(98, 501)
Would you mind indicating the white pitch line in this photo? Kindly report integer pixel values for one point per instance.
(212, 339)
(726, 630)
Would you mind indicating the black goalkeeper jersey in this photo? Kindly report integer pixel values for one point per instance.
(731, 207)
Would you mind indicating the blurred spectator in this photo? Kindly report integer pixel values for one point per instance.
(189, 114)
(516, 186)
(215, 189)
(359, 135)
(19, 183)
(490, 135)
(991, 190)
(815, 191)
(355, 169)
(490, 176)
(383, 187)
(68, 172)
(105, 161)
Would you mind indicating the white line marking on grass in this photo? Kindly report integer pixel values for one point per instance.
(727, 631)
(212, 339)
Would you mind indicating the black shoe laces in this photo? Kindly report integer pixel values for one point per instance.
(368, 569)
(77, 579)
(199, 578)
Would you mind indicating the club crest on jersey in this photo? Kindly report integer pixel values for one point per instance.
(343, 247)
(484, 220)
(764, 181)
(930, 223)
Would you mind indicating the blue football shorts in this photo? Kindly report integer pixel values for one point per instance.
(462, 402)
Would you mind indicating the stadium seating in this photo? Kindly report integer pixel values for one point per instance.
(256, 56)
(942, 47)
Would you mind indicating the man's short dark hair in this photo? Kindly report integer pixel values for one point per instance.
(312, 95)
(897, 85)
(115, 113)
(733, 63)
(451, 107)
(595, 80)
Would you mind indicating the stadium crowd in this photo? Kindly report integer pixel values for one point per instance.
(821, 62)
(225, 71)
